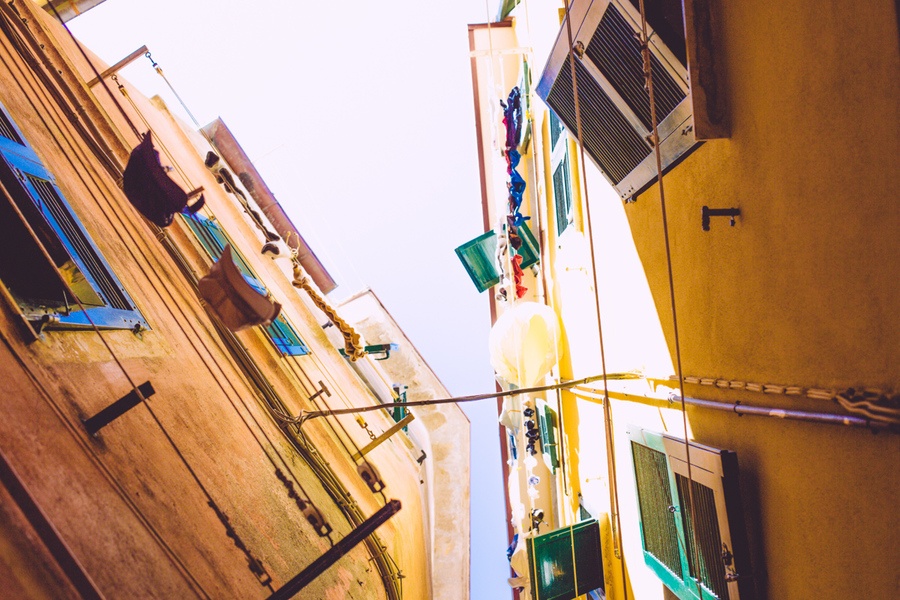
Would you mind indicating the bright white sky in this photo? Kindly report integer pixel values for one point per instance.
(359, 116)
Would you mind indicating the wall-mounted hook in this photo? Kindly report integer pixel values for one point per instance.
(718, 212)
(323, 390)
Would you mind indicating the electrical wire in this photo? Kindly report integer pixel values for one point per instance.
(154, 416)
(648, 73)
(607, 408)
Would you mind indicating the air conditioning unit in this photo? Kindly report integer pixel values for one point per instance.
(613, 102)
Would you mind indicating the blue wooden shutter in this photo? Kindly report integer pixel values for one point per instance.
(34, 191)
(214, 239)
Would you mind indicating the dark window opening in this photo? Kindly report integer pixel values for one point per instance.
(666, 18)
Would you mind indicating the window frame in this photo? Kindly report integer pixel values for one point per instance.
(20, 162)
(213, 239)
(561, 161)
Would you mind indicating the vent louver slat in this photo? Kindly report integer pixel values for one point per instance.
(608, 136)
(83, 248)
(711, 571)
(655, 498)
(8, 131)
(616, 51)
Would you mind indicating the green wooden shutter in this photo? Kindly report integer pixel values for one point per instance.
(478, 256)
(566, 563)
(530, 250)
(547, 423)
(668, 531)
(562, 194)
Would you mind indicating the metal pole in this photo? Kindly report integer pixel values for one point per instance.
(122, 63)
(745, 409)
(341, 548)
(69, 564)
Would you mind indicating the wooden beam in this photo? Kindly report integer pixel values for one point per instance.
(381, 438)
(122, 63)
(706, 69)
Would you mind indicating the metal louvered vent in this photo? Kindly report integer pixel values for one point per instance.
(607, 135)
(93, 265)
(712, 571)
(655, 499)
(613, 103)
(7, 130)
(616, 51)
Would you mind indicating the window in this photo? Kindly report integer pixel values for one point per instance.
(42, 244)
(614, 106)
(562, 176)
(668, 532)
(479, 256)
(213, 239)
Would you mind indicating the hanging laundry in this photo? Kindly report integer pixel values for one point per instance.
(150, 189)
(518, 275)
(514, 239)
(232, 299)
(224, 177)
(512, 117)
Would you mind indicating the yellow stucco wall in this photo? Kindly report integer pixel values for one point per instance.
(803, 290)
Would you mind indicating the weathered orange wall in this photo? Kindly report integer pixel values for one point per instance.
(124, 501)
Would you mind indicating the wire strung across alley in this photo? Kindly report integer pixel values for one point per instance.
(648, 74)
(607, 408)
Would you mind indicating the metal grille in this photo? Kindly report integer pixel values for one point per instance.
(7, 130)
(655, 499)
(607, 135)
(616, 50)
(50, 202)
(712, 569)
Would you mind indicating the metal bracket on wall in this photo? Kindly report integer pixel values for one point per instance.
(323, 389)
(118, 408)
(718, 212)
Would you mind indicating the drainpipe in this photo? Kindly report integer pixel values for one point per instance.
(743, 409)
(225, 143)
